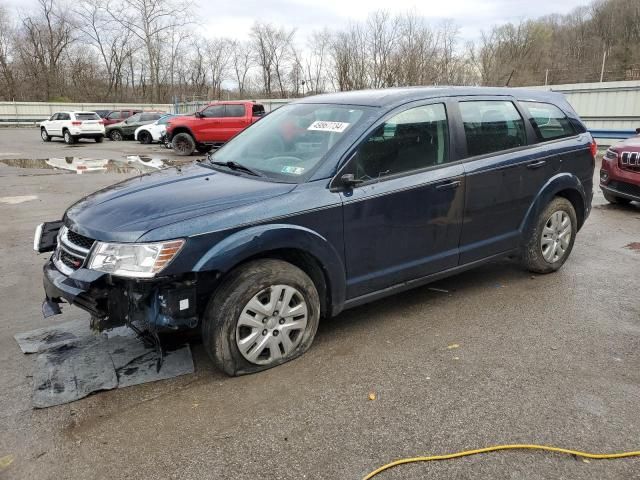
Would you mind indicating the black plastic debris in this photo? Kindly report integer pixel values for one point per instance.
(76, 362)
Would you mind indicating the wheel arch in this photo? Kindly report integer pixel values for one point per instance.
(564, 185)
(183, 129)
(297, 245)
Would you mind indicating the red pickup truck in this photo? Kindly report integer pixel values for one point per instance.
(212, 126)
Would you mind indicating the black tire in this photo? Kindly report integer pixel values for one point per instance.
(99, 139)
(615, 200)
(183, 144)
(145, 137)
(230, 298)
(44, 135)
(116, 136)
(68, 138)
(204, 148)
(532, 254)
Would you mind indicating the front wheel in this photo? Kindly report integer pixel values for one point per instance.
(116, 136)
(552, 238)
(44, 135)
(264, 314)
(183, 144)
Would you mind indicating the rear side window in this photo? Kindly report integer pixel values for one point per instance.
(213, 111)
(491, 126)
(64, 116)
(414, 139)
(149, 116)
(234, 111)
(87, 116)
(114, 116)
(164, 120)
(548, 121)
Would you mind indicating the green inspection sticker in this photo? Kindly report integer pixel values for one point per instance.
(292, 170)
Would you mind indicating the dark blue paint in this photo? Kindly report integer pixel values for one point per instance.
(370, 240)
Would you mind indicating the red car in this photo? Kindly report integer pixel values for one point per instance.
(117, 116)
(212, 126)
(620, 172)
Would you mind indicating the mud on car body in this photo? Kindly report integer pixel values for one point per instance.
(327, 203)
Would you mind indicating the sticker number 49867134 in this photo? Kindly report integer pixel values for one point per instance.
(323, 126)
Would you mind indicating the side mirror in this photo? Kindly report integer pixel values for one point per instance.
(199, 115)
(638, 131)
(349, 180)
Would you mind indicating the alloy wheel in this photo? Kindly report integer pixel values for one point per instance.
(272, 324)
(556, 236)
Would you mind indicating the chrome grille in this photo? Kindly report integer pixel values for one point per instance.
(72, 251)
(630, 161)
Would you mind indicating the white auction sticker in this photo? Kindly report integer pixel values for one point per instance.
(323, 126)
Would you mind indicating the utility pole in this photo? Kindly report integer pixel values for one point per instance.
(546, 77)
(604, 57)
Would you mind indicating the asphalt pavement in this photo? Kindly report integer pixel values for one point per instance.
(494, 355)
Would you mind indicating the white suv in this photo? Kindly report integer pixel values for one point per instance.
(73, 125)
(153, 132)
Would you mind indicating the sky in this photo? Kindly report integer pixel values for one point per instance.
(234, 18)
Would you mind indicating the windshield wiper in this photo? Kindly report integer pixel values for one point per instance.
(237, 166)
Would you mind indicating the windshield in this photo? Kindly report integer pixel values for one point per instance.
(289, 142)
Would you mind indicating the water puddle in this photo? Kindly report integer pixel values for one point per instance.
(80, 165)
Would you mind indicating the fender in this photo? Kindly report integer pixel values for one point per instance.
(180, 129)
(557, 183)
(239, 246)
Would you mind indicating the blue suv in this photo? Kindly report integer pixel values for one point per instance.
(327, 203)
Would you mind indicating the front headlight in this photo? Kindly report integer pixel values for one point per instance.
(140, 260)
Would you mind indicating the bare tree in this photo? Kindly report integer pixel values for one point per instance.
(152, 22)
(241, 62)
(8, 85)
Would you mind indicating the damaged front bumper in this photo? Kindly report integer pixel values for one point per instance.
(159, 304)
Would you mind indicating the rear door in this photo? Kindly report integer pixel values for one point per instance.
(500, 170)
(236, 118)
(403, 222)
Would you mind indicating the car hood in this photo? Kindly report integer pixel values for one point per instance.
(632, 143)
(125, 211)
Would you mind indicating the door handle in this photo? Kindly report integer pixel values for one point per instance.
(448, 185)
(537, 164)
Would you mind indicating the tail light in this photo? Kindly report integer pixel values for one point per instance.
(594, 148)
(76, 123)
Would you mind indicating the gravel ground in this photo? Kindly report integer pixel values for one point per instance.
(540, 359)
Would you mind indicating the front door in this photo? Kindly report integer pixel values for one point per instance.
(403, 221)
(211, 123)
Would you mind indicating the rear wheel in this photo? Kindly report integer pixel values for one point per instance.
(145, 137)
(551, 240)
(68, 138)
(264, 314)
(44, 135)
(613, 199)
(116, 136)
(183, 144)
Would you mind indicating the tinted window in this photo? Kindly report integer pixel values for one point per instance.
(234, 111)
(114, 116)
(414, 139)
(64, 116)
(548, 121)
(213, 111)
(87, 116)
(53, 117)
(491, 126)
(257, 110)
(149, 117)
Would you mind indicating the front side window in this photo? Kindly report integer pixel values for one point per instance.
(213, 111)
(164, 120)
(548, 121)
(234, 111)
(491, 126)
(411, 140)
(288, 143)
(64, 116)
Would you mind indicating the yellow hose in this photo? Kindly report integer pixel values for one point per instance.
(595, 456)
